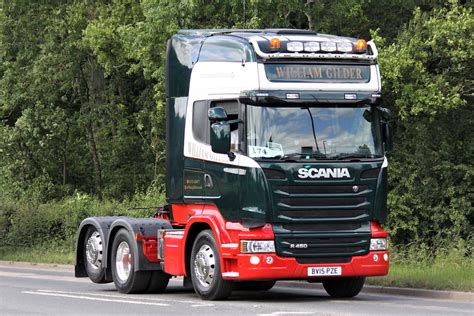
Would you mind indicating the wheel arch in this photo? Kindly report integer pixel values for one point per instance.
(192, 232)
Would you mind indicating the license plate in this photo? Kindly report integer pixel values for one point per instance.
(321, 271)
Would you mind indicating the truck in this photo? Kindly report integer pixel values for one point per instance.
(276, 169)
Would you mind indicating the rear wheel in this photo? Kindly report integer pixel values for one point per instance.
(93, 255)
(206, 272)
(344, 287)
(126, 279)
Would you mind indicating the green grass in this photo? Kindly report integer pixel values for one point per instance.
(459, 277)
(38, 254)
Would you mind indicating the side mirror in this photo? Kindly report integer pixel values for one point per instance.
(217, 114)
(220, 137)
(387, 133)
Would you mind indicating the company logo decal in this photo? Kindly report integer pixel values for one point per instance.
(316, 173)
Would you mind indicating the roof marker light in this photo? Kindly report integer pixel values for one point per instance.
(274, 43)
(311, 46)
(328, 46)
(344, 47)
(294, 46)
(361, 46)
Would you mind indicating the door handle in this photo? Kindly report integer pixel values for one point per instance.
(208, 181)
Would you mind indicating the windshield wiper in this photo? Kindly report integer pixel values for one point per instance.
(292, 156)
(354, 156)
(301, 155)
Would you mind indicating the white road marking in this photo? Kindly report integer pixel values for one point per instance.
(94, 298)
(130, 297)
(43, 277)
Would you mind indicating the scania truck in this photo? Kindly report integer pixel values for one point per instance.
(276, 169)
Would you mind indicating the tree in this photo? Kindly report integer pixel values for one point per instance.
(428, 82)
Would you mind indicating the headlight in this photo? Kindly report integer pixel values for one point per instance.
(257, 246)
(378, 244)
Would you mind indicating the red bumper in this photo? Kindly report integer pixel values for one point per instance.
(270, 266)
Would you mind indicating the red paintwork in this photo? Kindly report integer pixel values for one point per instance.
(174, 254)
(230, 233)
(149, 247)
(377, 231)
(289, 268)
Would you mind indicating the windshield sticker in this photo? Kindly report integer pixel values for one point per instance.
(271, 150)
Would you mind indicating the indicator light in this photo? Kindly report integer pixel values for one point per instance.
(274, 43)
(361, 46)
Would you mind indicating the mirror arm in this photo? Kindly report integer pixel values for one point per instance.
(231, 156)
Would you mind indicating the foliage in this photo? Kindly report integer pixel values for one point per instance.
(82, 95)
(428, 82)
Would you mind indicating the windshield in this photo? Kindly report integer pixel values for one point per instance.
(312, 132)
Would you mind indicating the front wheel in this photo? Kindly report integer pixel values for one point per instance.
(126, 279)
(344, 287)
(206, 272)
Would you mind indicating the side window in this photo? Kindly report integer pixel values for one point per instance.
(232, 108)
(201, 121)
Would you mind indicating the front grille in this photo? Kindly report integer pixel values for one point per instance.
(321, 189)
(320, 201)
(319, 247)
(321, 227)
(322, 223)
(323, 214)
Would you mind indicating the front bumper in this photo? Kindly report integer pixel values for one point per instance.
(270, 266)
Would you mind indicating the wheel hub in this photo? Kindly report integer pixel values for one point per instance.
(94, 250)
(204, 265)
(123, 261)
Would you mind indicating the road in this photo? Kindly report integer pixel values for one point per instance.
(41, 291)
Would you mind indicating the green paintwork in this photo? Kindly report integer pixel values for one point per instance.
(175, 120)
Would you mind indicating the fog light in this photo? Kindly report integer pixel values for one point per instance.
(378, 244)
(385, 257)
(376, 257)
(269, 260)
(254, 260)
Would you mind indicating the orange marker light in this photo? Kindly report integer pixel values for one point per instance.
(274, 43)
(361, 45)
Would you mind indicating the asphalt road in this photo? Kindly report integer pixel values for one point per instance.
(40, 291)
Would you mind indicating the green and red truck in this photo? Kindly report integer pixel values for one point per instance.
(276, 169)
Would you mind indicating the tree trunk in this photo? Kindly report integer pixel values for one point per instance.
(95, 160)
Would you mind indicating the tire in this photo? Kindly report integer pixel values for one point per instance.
(93, 255)
(126, 279)
(254, 285)
(158, 282)
(344, 287)
(206, 269)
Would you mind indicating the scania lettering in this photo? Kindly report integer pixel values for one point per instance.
(313, 173)
(276, 169)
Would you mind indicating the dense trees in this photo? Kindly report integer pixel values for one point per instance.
(81, 96)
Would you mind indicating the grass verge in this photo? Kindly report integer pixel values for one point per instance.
(38, 254)
(458, 277)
